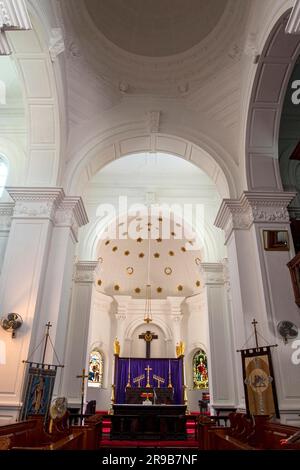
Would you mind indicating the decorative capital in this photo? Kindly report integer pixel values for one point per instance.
(6, 212)
(49, 203)
(14, 15)
(213, 273)
(71, 213)
(253, 207)
(35, 202)
(84, 272)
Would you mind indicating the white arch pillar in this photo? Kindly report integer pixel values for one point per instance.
(261, 285)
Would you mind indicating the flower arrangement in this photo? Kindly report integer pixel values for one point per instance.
(147, 395)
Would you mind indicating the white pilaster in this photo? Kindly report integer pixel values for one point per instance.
(101, 338)
(70, 215)
(260, 279)
(221, 352)
(123, 302)
(22, 278)
(6, 212)
(78, 329)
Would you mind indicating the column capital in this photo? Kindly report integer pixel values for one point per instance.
(213, 273)
(49, 203)
(38, 203)
(84, 271)
(13, 16)
(71, 213)
(122, 306)
(6, 212)
(195, 302)
(253, 207)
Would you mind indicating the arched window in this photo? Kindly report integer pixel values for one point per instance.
(200, 374)
(3, 173)
(96, 368)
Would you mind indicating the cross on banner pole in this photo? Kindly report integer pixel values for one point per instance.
(48, 326)
(83, 377)
(254, 323)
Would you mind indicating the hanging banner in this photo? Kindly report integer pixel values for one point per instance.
(38, 390)
(259, 382)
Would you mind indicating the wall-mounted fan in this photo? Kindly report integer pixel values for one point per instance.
(12, 322)
(287, 330)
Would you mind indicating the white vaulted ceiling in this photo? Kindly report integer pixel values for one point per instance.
(155, 28)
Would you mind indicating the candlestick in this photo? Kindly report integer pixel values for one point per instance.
(170, 381)
(128, 383)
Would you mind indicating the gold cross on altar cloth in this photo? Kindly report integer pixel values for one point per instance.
(147, 369)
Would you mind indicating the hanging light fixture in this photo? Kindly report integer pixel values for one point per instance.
(148, 311)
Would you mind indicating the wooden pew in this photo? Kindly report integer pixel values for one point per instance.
(244, 433)
(30, 435)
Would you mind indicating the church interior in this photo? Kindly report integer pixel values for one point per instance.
(149, 224)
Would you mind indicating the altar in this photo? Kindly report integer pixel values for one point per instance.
(142, 422)
(162, 379)
(158, 396)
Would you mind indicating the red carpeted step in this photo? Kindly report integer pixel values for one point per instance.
(193, 444)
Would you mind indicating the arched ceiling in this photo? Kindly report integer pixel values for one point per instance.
(169, 47)
(149, 249)
(155, 28)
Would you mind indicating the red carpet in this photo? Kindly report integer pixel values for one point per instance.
(189, 443)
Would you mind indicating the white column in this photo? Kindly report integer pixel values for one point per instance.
(261, 284)
(123, 302)
(221, 352)
(22, 280)
(6, 212)
(196, 337)
(174, 304)
(78, 329)
(69, 216)
(101, 338)
(100, 331)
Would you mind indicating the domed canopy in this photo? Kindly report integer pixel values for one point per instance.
(150, 250)
(155, 28)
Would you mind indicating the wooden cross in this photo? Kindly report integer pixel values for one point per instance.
(83, 377)
(147, 369)
(138, 380)
(159, 380)
(148, 337)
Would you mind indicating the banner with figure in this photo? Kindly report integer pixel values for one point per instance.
(38, 390)
(259, 382)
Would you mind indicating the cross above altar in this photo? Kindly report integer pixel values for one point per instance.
(148, 337)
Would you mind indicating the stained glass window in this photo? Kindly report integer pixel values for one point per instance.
(3, 173)
(96, 368)
(200, 373)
